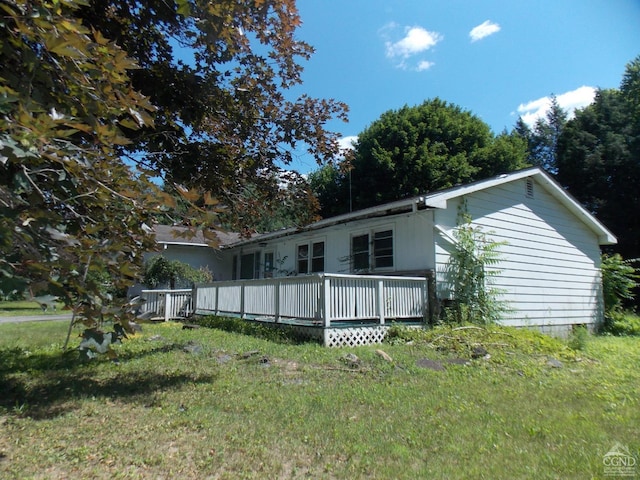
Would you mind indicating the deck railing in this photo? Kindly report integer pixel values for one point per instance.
(318, 299)
(167, 304)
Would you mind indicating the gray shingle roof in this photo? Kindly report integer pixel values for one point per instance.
(176, 234)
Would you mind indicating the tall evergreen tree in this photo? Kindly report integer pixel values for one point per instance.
(542, 139)
(599, 159)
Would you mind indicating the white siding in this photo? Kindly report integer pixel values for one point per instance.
(413, 245)
(550, 265)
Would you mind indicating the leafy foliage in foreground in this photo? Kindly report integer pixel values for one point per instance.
(98, 101)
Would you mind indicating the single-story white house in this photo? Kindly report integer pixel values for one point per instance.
(176, 243)
(549, 263)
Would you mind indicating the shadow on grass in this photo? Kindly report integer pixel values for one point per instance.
(43, 386)
(273, 332)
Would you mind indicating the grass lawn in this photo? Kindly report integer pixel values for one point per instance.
(25, 307)
(209, 403)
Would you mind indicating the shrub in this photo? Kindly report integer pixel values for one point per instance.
(176, 274)
(579, 337)
(470, 273)
(623, 323)
(619, 278)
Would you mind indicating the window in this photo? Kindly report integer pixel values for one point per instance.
(372, 251)
(311, 263)
(317, 258)
(303, 258)
(268, 265)
(360, 252)
(250, 266)
(383, 249)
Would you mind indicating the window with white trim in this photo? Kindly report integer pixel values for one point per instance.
(317, 257)
(310, 257)
(372, 251)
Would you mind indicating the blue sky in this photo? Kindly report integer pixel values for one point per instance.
(498, 59)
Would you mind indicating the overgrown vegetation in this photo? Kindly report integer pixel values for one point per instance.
(470, 272)
(619, 279)
(499, 344)
(209, 403)
(159, 271)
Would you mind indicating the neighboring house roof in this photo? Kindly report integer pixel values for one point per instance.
(439, 200)
(178, 235)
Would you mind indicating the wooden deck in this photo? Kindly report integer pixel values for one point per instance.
(337, 309)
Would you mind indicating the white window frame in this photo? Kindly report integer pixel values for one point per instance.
(371, 253)
(310, 255)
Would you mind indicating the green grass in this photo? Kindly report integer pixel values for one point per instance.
(249, 407)
(25, 307)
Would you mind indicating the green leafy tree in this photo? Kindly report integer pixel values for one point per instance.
(420, 149)
(96, 104)
(330, 186)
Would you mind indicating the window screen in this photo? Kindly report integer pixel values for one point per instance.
(383, 249)
(317, 259)
(360, 252)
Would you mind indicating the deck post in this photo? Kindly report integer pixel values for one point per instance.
(326, 297)
(194, 300)
(242, 292)
(167, 305)
(216, 303)
(276, 301)
(380, 296)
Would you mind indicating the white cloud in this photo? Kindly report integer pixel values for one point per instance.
(346, 143)
(531, 111)
(416, 40)
(424, 65)
(483, 30)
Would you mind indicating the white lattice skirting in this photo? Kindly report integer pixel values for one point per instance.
(345, 336)
(354, 336)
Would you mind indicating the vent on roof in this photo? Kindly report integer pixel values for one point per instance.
(529, 188)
